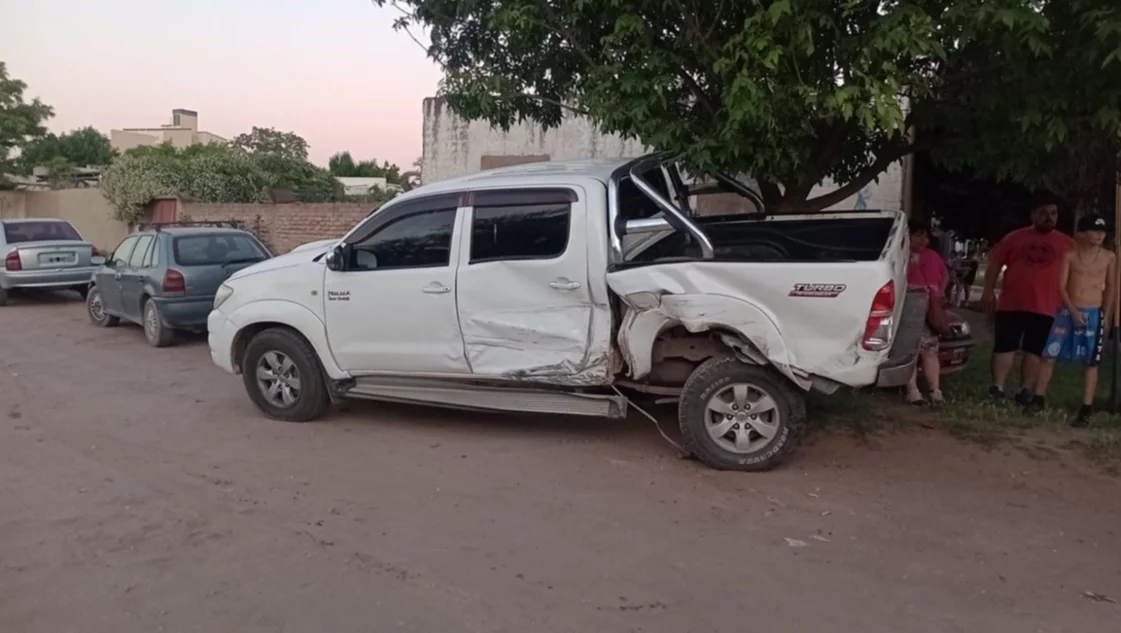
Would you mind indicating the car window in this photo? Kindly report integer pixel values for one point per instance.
(416, 241)
(216, 248)
(45, 231)
(537, 231)
(136, 260)
(123, 251)
(152, 258)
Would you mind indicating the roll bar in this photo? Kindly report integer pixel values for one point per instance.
(675, 218)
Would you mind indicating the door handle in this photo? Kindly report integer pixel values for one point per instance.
(435, 289)
(564, 284)
(117, 276)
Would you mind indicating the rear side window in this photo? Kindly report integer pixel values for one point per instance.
(216, 249)
(538, 231)
(20, 232)
(136, 260)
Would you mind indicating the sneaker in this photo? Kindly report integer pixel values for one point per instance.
(1036, 405)
(1026, 397)
(996, 394)
(1082, 420)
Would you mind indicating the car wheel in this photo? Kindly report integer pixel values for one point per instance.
(283, 376)
(736, 416)
(155, 330)
(83, 291)
(95, 308)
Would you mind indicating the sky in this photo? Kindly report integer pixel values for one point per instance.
(333, 71)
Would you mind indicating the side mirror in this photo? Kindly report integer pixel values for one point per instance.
(108, 262)
(97, 260)
(336, 258)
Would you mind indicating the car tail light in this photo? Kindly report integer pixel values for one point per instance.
(11, 262)
(94, 252)
(173, 281)
(877, 330)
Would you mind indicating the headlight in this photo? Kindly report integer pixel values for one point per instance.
(223, 293)
(963, 327)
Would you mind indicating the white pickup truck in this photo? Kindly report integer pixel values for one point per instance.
(561, 287)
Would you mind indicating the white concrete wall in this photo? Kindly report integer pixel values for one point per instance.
(454, 147)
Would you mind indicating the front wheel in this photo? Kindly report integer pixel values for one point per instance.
(736, 416)
(95, 308)
(283, 377)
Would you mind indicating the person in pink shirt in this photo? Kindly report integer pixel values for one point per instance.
(926, 271)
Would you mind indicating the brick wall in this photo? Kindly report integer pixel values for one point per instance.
(283, 226)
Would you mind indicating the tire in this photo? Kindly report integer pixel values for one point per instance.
(95, 309)
(276, 352)
(83, 291)
(731, 388)
(155, 330)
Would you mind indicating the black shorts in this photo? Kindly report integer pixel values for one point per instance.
(1025, 331)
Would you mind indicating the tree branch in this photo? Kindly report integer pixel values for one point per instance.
(870, 173)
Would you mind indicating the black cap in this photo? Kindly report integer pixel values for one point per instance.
(1091, 223)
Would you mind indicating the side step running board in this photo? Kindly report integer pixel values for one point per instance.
(486, 398)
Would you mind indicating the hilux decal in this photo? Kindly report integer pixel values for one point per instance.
(817, 290)
(338, 295)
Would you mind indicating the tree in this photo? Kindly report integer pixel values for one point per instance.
(211, 173)
(20, 121)
(342, 165)
(84, 147)
(792, 92)
(269, 140)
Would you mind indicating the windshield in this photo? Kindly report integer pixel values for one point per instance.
(216, 249)
(44, 231)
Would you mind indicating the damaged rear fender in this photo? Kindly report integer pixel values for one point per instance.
(761, 341)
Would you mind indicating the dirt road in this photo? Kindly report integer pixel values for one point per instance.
(140, 491)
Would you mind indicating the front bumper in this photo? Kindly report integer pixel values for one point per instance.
(220, 337)
(47, 278)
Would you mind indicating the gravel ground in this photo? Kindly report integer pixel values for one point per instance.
(141, 491)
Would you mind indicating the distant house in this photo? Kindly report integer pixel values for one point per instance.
(182, 132)
(355, 186)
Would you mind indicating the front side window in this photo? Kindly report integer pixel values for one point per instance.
(422, 240)
(533, 231)
(123, 252)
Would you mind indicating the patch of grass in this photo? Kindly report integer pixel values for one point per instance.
(971, 416)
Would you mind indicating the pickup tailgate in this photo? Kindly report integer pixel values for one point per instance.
(801, 289)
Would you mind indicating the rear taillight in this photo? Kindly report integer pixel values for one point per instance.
(877, 330)
(94, 252)
(11, 262)
(173, 281)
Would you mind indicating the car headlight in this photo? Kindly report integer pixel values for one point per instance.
(223, 293)
(963, 327)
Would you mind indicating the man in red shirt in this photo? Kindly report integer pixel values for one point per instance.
(1029, 297)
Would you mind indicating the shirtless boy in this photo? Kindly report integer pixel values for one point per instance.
(1088, 282)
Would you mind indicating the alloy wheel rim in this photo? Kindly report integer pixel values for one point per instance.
(97, 308)
(278, 379)
(742, 418)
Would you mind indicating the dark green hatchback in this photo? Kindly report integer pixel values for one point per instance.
(164, 278)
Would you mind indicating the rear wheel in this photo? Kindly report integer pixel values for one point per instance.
(157, 333)
(95, 308)
(736, 416)
(283, 377)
